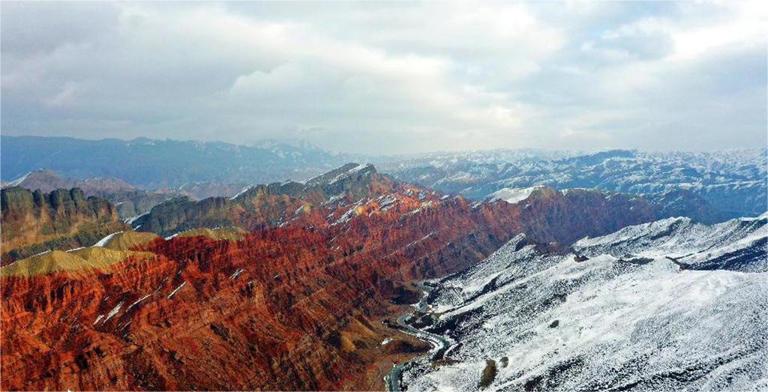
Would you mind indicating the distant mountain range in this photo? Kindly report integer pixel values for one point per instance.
(136, 175)
(153, 164)
(710, 187)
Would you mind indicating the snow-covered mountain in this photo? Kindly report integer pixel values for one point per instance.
(665, 306)
(711, 187)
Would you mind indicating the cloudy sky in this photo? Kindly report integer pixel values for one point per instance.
(391, 77)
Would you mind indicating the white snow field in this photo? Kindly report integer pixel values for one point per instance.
(624, 317)
(512, 195)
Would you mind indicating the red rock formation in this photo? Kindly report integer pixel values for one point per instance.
(291, 307)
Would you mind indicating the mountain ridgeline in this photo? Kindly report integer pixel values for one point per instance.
(547, 215)
(266, 205)
(709, 187)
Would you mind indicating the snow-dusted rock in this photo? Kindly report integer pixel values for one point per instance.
(512, 195)
(647, 308)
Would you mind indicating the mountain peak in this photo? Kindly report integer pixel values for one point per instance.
(345, 171)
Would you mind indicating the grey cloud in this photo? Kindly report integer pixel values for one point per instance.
(33, 27)
(385, 78)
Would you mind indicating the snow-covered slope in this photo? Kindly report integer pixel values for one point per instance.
(512, 195)
(648, 308)
(711, 187)
(694, 246)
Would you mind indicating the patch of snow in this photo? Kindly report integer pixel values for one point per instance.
(349, 214)
(130, 220)
(137, 302)
(387, 201)
(41, 253)
(106, 239)
(114, 311)
(176, 290)
(242, 191)
(19, 180)
(420, 240)
(512, 195)
(335, 198)
(236, 273)
(349, 172)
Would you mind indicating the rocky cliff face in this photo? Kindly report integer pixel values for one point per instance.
(34, 222)
(127, 199)
(130, 204)
(548, 215)
(295, 305)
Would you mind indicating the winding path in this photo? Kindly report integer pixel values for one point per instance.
(440, 344)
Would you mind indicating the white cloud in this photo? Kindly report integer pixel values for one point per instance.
(746, 25)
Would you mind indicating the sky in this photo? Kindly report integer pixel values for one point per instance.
(393, 77)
